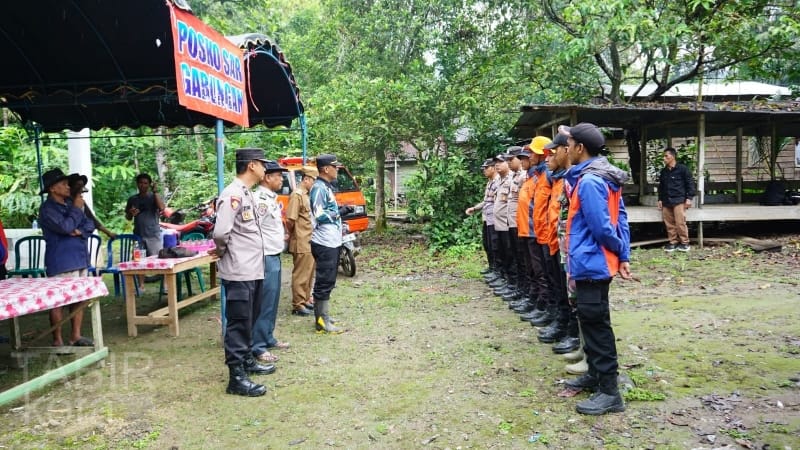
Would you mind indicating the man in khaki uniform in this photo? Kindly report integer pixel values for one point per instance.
(298, 225)
(237, 236)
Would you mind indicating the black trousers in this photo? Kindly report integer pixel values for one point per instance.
(242, 306)
(494, 244)
(487, 245)
(540, 290)
(557, 279)
(525, 274)
(523, 280)
(327, 260)
(3, 272)
(594, 315)
(507, 256)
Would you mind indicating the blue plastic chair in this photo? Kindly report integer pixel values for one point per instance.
(124, 244)
(186, 274)
(93, 244)
(34, 247)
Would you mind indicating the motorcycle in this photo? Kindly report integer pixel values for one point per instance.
(350, 248)
(204, 224)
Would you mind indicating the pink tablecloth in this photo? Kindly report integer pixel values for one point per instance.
(20, 296)
(154, 262)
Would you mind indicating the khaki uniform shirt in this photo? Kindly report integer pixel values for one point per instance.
(487, 205)
(237, 235)
(517, 179)
(501, 203)
(299, 211)
(271, 221)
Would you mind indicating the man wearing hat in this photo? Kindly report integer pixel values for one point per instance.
(274, 236)
(598, 246)
(486, 207)
(237, 236)
(537, 195)
(505, 254)
(326, 239)
(298, 225)
(64, 227)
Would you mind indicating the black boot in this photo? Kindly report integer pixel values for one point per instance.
(524, 307)
(251, 366)
(607, 399)
(586, 381)
(552, 333)
(240, 384)
(544, 319)
(527, 317)
(567, 344)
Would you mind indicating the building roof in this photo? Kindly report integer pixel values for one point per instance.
(667, 120)
(742, 90)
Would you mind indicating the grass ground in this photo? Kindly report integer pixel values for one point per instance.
(433, 360)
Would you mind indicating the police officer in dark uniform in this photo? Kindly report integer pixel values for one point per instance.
(237, 236)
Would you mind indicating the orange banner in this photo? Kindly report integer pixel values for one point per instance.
(209, 69)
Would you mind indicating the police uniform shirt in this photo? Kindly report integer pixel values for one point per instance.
(489, 197)
(501, 203)
(299, 210)
(237, 235)
(269, 210)
(517, 179)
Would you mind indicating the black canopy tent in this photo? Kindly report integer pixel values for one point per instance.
(74, 64)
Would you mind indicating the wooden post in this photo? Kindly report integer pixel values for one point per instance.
(701, 160)
(643, 165)
(739, 165)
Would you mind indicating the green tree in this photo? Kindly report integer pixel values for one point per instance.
(667, 42)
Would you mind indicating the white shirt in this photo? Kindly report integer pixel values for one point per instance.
(270, 211)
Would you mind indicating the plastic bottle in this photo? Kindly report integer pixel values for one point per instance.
(137, 252)
(35, 224)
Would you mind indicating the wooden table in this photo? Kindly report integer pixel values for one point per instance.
(22, 296)
(170, 268)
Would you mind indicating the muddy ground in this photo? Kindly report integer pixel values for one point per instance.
(432, 359)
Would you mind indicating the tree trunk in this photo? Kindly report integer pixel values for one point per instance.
(380, 201)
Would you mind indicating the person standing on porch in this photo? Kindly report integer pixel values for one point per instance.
(675, 193)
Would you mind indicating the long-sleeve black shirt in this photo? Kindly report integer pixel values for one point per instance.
(675, 185)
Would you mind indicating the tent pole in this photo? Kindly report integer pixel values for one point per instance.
(37, 130)
(220, 144)
(701, 162)
(304, 137)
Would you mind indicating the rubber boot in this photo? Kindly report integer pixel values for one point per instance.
(240, 384)
(607, 399)
(577, 355)
(323, 321)
(578, 368)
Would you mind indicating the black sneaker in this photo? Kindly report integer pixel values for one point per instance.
(682, 247)
(669, 248)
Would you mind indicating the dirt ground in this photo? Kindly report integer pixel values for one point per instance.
(432, 359)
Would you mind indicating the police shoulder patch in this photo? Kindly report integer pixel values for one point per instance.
(235, 203)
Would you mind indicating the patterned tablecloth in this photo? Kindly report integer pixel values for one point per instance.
(154, 262)
(20, 296)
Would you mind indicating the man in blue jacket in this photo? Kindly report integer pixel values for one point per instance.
(65, 229)
(598, 244)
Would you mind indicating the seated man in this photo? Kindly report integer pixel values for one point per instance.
(64, 227)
